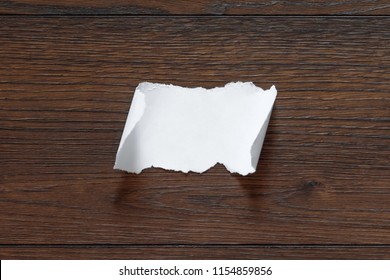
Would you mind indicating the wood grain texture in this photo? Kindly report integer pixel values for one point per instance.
(195, 252)
(201, 7)
(65, 88)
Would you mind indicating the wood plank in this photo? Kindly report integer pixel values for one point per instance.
(201, 7)
(196, 252)
(65, 88)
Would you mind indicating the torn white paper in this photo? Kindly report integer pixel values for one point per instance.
(193, 129)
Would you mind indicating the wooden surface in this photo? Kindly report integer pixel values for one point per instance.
(195, 252)
(322, 186)
(200, 7)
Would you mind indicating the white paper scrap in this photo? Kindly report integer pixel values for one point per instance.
(193, 129)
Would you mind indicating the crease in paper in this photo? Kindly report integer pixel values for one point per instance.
(193, 129)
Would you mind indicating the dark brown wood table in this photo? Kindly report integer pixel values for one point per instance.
(67, 75)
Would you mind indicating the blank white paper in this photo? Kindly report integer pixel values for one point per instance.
(193, 129)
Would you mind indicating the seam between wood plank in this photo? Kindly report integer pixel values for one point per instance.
(195, 16)
(289, 246)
